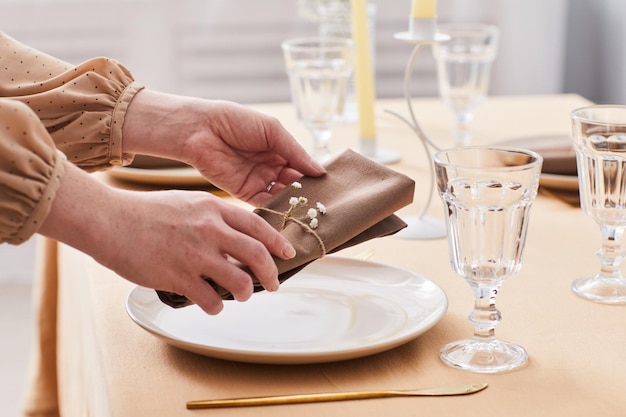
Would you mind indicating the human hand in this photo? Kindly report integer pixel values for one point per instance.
(167, 240)
(237, 149)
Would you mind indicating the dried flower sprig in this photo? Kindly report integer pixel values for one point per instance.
(296, 203)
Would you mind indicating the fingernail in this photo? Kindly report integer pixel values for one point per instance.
(318, 166)
(288, 251)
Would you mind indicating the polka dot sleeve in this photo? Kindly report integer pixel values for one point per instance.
(30, 172)
(82, 107)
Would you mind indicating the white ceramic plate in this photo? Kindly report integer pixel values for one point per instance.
(335, 309)
(181, 176)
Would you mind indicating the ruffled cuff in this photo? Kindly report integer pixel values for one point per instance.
(117, 155)
(42, 208)
(31, 169)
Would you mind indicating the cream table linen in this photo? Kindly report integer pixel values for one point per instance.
(108, 366)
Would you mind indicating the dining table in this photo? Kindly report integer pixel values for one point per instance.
(99, 362)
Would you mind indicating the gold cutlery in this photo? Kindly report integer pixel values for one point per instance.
(335, 396)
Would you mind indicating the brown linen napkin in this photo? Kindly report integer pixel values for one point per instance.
(360, 197)
(155, 162)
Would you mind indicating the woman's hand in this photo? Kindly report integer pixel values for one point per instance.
(167, 240)
(237, 149)
(170, 240)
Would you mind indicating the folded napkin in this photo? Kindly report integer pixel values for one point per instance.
(558, 152)
(358, 196)
(155, 162)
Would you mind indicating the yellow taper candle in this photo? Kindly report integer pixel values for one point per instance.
(363, 72)
(424, 8)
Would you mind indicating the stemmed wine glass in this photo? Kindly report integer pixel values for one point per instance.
(487, 195)
(319, 70)
(599, 134)
(463, 70)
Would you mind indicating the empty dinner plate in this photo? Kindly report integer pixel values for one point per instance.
(335, 309)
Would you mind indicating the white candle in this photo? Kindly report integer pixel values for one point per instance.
(424, 8)
(363, 73)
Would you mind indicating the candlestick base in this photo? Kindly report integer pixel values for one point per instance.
(412, 38)
(368, 148)
(419, 227)
(422, 29)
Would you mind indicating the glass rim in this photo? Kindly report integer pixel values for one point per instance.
(537, 159)
(581, 114)
(307, 42)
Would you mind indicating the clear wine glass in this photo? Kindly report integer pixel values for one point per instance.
(599, 134)
(487, 195)
(319, 70)
(463, 70)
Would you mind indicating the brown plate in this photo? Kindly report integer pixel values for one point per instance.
(559, 159)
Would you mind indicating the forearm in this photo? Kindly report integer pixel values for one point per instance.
(236, 148)
(158, 124)
(82, 213)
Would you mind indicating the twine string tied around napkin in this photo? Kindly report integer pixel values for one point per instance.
(303, 225)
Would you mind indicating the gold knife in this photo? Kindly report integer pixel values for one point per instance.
(334, 396)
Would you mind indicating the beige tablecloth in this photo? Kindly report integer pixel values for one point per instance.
(108, 366)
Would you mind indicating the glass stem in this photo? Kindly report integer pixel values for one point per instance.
(485, 316)
(321, 138)
(611, 254)
(462, 130)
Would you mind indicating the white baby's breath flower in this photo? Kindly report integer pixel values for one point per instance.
(296, 203)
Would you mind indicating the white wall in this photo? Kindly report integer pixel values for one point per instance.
(230, 48)
(596, 52)
(532, 41)
(17, 262)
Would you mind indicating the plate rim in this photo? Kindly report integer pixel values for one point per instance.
(302, 357)
(159, 176)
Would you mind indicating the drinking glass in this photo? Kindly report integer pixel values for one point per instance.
(487, 195)
(599, 134)
(463, 70)
(319, 69)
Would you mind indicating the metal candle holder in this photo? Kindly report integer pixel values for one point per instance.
(422, 32)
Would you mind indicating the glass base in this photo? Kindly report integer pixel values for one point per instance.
(601, 290)
(462, 138)
(483, 357)
(382, 156)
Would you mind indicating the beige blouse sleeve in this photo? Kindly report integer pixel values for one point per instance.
(30, 172)
(78, 109)
(82, 106)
